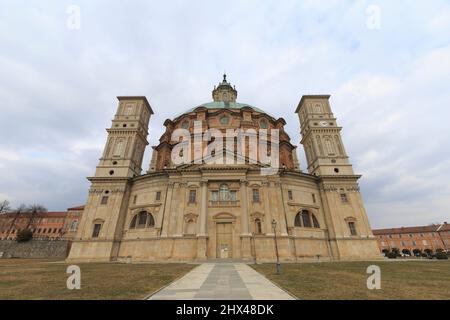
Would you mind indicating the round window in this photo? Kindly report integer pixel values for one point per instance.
(224, 119)
(185, 125)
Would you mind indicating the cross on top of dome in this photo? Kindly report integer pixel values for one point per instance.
(224, 91)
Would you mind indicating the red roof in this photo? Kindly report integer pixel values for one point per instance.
(51, 214)
(419, 229)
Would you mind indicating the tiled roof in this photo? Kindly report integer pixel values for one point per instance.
(51, 214)
(419, 229)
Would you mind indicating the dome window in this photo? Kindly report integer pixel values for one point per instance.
(224, 120)
(185, 124)
(263, 124)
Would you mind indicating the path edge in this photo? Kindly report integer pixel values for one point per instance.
(175, 280)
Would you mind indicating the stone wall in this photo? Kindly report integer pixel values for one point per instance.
(36, 249)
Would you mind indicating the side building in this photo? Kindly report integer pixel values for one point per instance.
(414, 240)
(52, 225)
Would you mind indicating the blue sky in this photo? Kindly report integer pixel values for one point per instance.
(389, 86)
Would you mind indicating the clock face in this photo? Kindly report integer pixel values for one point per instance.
(323, 123)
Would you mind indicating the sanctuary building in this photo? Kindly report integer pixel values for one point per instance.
(201, 199)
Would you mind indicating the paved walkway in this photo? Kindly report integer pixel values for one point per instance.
(222, 281)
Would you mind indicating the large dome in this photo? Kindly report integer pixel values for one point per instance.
(224, 105)
(222, 114)
(224, 96)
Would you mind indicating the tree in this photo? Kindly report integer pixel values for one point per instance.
(24, 236)
(33, 210)
(4, 206)
(20, 209)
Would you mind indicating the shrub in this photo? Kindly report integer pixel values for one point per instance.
(24, 236)
(392, 255)
(441, 256)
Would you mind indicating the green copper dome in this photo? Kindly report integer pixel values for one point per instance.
(224, 96)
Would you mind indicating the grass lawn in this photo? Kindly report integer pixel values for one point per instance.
(42, 279)
(347, 280)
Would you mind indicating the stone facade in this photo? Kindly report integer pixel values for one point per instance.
(204, 211)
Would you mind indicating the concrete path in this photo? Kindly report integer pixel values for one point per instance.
(222, 281)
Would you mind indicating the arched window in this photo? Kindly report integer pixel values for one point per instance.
(119, 148)
(150, 221)
(306, 219)
(318, 108)
(298, 220)
(133, 222)
(258, 226)
(329, 146)
(352, 228)
(315, 221)
(74, 225)
(224, 192)
(142, 220)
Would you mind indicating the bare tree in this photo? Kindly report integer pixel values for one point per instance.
(4, 207)
(33, 210)
(20, 209)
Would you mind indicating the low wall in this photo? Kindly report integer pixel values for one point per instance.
(35, 249)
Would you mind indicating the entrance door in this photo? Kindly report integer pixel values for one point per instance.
(224, 240)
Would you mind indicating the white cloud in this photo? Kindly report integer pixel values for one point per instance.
(389, 86)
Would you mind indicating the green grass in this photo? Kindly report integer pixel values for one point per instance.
(41, 279)
(347, 280)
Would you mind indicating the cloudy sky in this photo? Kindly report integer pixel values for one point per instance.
(385, 63)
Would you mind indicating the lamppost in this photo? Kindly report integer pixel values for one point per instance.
(274, 227)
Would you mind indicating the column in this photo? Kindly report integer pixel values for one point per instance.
(244, 208)
(202, 236)
(203, 209)
(246, 249)
(165, 220)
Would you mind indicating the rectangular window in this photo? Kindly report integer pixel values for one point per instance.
(352, 227)
(104, 200)
(313, 198)
(255, 195)
(215, 196)
(96, 230)
(344, 198)
(414, 243)
(158, 196)
(192, 196)
(233, 196)
(290, 197)
(134, 199)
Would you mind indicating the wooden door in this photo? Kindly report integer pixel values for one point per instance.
(224, 240)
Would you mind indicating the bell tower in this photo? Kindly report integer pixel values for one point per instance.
(348, 229)
(101, 225)
(127, 139)
(321, 137)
